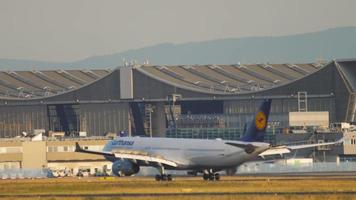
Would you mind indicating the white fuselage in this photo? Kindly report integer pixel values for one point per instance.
(194, 154)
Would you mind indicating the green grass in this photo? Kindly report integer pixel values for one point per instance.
(181, 185)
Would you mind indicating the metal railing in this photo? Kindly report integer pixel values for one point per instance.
(262, 168)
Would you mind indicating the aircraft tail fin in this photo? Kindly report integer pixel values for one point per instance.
(256, 130)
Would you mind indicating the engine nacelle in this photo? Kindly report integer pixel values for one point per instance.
(124, 168)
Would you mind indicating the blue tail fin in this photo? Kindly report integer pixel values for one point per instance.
(256, 129)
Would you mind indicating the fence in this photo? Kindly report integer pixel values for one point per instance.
(25, 173)
(324, 167)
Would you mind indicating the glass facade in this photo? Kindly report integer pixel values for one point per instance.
(95, 119)
(238, 113)
(205, 133)
(99, 119)
(17, 119)
(212, 133)
(64, 118)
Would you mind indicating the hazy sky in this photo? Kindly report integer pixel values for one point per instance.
(69, 30)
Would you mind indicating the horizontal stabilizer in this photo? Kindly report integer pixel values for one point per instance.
(249, 148)
(280, 150)
(275, 151)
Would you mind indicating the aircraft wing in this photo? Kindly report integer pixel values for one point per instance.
(78, 148)
(131, 155)
(146, 158)
(280, 150)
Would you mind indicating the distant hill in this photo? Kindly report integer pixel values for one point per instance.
(308, 47)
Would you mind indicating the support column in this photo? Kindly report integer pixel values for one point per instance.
(159, 120)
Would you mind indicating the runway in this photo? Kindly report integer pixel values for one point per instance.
(256, 187)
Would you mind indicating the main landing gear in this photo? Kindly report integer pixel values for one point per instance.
(163, 176)
(211, 176)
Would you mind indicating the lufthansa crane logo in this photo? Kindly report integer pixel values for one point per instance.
(260, 120)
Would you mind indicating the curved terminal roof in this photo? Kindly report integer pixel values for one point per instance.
(209, 79)
(348, 70)
(35, 84)
(229, 79)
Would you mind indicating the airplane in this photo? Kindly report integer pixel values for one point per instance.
(208, 156)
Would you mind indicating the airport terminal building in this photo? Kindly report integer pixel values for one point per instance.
(175, 101)
(192, 101)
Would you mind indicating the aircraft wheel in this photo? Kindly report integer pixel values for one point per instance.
(206, 177)
(217, 176)
(169, 177)
(158, 177)
(212, 177)
(163, 177)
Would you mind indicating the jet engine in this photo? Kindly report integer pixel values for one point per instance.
(124, 168)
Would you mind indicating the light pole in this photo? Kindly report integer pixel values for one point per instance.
(273, 125)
